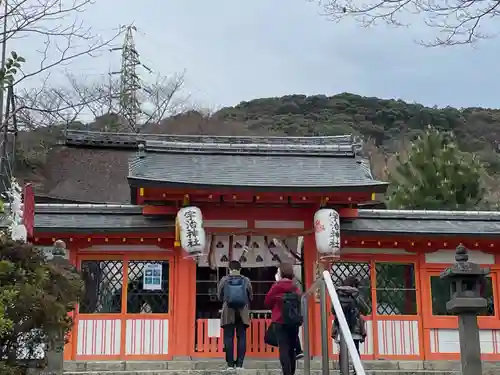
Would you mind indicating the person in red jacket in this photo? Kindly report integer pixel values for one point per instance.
(285, 333)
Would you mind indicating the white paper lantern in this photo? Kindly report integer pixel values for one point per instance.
(327, 231)
(191, 232)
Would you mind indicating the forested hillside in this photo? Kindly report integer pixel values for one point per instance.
(385, 122)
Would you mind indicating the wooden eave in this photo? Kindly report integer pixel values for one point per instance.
(155, 195)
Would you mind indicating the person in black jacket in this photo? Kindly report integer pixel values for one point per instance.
(353, 307)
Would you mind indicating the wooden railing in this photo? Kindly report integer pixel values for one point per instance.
(209, 338)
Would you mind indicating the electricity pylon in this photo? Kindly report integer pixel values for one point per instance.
(130, 81)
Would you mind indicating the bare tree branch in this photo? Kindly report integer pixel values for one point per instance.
(82, 101)
(163, 96)
(456, 21)
(65, 37)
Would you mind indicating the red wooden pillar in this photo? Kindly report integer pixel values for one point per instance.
(183, 310)
(310, 262)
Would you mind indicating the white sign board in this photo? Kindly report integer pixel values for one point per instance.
(151, 277)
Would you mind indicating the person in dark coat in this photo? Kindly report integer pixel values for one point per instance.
(287, 335)
(233, 320)
(353, 307)
(299, 353)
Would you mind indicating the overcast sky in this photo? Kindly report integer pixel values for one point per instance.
(236, 50)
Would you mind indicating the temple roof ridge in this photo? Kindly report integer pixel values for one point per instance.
(340, 145)
(231, 147)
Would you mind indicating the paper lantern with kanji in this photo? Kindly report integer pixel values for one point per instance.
(192, 236)
(327, 232)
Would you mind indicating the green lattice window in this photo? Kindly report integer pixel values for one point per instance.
(341, 270)
(148, 287)
(396, 292)
(103, 286)
(440, 293)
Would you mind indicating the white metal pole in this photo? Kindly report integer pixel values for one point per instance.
(344, 327)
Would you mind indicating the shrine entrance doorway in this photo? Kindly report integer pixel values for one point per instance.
(259, 259)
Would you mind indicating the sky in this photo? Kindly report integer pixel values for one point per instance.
(236, 50)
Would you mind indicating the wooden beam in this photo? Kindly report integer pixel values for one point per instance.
(250, 213)
(84, 240)
(244, 212)
(348, 213)
(421, 244)
(227, 195)
(159, 210)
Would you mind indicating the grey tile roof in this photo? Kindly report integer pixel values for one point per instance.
(98, 223)
(257, 171)
(401, 222)
(92, 219)
(238, 161)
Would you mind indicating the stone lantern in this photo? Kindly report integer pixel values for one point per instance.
(466, 280)
(54, 353)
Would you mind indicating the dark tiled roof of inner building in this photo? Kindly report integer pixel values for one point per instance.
(259, 163)
(260, 166)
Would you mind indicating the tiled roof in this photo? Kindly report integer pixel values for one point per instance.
(92, 218)
(259, 172)
(422, 222)
(318, 163)
(307, 163)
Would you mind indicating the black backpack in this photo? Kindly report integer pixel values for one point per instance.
(350, 309)
(235, 292)
(291, 310)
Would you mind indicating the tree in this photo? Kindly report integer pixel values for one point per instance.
(35, 299)
(456, 21)
(80, 99)
(56, 25)
(435, 174)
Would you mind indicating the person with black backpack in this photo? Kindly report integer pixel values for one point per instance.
(353, 307)
(235, 291)
(286, 317)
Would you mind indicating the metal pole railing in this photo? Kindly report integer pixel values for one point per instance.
(343, 355)
(319, 283)
(344, 327)
(323, 307)
(325, 284)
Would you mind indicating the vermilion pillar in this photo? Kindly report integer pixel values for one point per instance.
(310, 274)
(183, 310)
